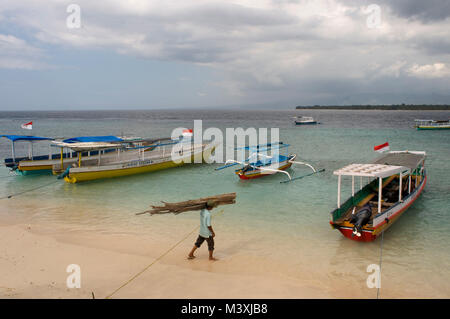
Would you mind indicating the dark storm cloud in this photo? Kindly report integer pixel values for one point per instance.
(423, 10)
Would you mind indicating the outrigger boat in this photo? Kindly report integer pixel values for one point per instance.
(432, 124)
(395, 181)
(259, 164)
(134, 160)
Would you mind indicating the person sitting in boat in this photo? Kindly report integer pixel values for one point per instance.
(206, 231)
(247, 168)
(361, 218)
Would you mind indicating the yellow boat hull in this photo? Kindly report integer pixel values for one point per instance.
(35, 168)
(75, 177)
(89, 176)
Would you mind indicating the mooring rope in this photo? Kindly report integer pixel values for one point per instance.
(156, 260)
(381, 259)
(29, 190)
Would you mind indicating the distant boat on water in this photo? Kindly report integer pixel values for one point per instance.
(305, 120)
(432, 124)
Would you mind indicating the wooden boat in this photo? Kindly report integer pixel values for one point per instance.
(394, 181)
(432, 124)
(305, 120)
(90, 148)
(135, 160)
(258, 164)
(14, 161)
(53, 163)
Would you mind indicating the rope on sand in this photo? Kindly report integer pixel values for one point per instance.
(381, 259)
(29, 190)
(156, 260)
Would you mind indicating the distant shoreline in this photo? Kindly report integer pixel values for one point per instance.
(412, 107)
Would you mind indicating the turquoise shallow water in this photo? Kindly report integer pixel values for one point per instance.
(287, 222)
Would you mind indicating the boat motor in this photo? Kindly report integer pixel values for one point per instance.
(361, 218)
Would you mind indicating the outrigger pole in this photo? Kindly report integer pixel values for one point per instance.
(306, 175)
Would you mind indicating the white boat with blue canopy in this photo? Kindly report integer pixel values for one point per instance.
(14, 160)
(57, 162)
(259, 164)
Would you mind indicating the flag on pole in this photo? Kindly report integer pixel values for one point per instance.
(381, 148)
(28, 126)
(187, 133)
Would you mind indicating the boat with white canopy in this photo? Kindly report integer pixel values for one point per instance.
(133, 159)
(305, 120)
(387, 187)
(432, 124)
(56, 163)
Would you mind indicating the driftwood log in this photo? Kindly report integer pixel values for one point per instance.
(190, 205)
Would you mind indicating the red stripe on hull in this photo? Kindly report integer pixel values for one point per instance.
(365, 236)
(257, 175)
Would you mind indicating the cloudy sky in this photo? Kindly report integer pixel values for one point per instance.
(208, 53)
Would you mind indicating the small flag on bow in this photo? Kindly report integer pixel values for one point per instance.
(28, 126)
(381, 148)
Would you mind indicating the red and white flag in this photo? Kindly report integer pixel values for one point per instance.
(381, 148)
(28, 126)
(187, 133)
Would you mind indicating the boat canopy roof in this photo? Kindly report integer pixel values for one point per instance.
(401, 158)
(89, 139)
(15, 138)
(370, 170)
(387, 165)
(88, 146)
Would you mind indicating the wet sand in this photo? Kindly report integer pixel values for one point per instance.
(38, 240)
(34, 259)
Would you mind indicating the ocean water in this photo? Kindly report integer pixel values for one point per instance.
(287, 222)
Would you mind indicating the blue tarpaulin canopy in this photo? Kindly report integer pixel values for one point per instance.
(15, 138)
(105, 139)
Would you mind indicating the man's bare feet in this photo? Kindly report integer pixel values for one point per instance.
(213, 259)
(191, 257)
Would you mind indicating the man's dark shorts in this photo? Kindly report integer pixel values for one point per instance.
(209, 240)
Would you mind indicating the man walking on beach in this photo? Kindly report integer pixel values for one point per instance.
(206, 231)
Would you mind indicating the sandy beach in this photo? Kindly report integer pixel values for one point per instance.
(38, 241)
(34, 260)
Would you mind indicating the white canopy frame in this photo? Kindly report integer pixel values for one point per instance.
(378, 171)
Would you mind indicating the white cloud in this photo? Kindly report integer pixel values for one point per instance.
(429, 71)
(15, 53)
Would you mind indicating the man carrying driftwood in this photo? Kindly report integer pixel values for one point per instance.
(206, 231)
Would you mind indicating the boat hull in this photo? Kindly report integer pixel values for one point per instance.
(75, 176)
(89, 176)
(306, 123)
(259, 174)
(433, 127)
(35, 169)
